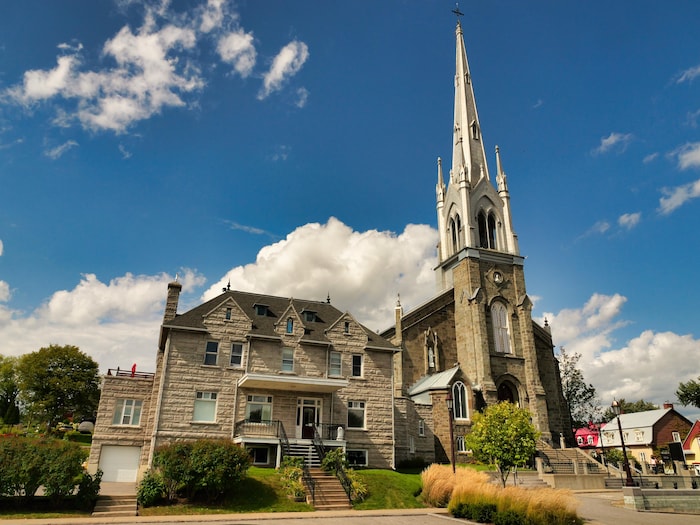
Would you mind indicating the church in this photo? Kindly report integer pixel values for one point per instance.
(286, 376)
(475, 341)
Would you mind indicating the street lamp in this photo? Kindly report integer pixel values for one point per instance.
(617, 410)
(448, 400)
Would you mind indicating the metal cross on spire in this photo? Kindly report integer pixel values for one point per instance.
(457, 12)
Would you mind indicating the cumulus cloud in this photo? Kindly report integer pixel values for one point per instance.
(56, 152)
(238, 50)
(614, 141)
(115, 322)
(213, 15)
(688, 155)
(362, 271)
(635, 370)
(650, 158)
(286, 64)
(676, 197)
(629, 220)
(4, 292)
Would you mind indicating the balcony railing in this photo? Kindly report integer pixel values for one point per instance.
(129, 373)
(271, 428)
(330, 431)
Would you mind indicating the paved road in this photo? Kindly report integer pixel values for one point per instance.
(604, 508)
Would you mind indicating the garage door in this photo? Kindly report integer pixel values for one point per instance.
(119, 463)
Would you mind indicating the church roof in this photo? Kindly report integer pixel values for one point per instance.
(437, 381)
(324, 314)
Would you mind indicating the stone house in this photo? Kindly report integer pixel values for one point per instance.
(271, 373)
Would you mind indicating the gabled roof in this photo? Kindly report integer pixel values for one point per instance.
(692, 434)
(264, 326)
(640, 419)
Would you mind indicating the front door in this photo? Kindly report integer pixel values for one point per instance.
(308, 415)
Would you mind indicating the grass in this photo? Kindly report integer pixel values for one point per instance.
(260, 491)
(390, 490)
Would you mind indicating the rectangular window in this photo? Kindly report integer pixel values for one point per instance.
(228, 314)
(346, 327)
(205, 407)
(287, 360)
(260, 309)
(309, 316)
(357, 458)
(260, 455)
(334, 364)
(127, 412)
(258, 409)
(356, 414)
(237, 355)
(421, 427)
(211, 353)
(357, 365)
(676, 436)
(411, 445)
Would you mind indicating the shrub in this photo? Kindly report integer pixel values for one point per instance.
(334, 461)
(217, 466)
(78, 437)
(89, 489)
(151, 490)
(172, 461)
(508, 517)
(291, 473)
(358, 490)
(63, 465)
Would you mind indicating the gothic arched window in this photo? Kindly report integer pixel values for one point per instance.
(492, 231)
(483, 232)
(453, 229)
(459, 400)
(501, 333)
(290, 325)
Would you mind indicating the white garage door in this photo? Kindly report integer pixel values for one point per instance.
(119, 463)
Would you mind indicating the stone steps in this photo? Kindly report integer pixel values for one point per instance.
(115, 506)
(329, 493)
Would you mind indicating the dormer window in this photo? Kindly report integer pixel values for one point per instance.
(309, 316)
(290, 325)
(261, 309)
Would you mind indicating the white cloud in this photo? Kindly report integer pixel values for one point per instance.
(676, 197)
(238, 50)
(688, 75)
(618, 141)
(650, 158)
(598, 228)
(116, 323)
(212, 16)
(4, 292)
(126, 154)
(286, 64)
(248, 229)
(56, 152)
(629, 220)
(640, 369)
(688, 155)
(302, 97)
(362, 271)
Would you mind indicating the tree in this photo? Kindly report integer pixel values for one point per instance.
(57, 381)
(9, 390)
(629, 407)
(689, 393)
(581, 397)
(503, 436)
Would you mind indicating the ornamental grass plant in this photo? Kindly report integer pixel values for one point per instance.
(439, 482)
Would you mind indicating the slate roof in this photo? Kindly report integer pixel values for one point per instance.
(640, 419)
(326, 315)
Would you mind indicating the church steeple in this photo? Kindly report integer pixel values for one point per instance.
(473, 215)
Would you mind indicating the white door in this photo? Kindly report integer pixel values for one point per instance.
(119, 463)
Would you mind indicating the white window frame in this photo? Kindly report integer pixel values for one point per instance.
(460, 401)
(235, 354)
(265, 402)
(127, 412)
(421, 427)
(349, 452)
(335, 369)
(361, 358)
(254, 450)
(211, 349)
(676, 437)
(501, 328)
(460, 445)
(357, 407)
(205, 404)
(287, 364)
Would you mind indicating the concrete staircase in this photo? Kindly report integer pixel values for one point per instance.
(528, 480)
(328, 493)
(308, 452)
(562, 460)
(115, 506)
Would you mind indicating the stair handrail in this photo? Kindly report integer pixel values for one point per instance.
(339, 473)
(284, 440)
(309, 481)
(318, 444)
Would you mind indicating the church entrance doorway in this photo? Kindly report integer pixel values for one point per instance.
(508, 392)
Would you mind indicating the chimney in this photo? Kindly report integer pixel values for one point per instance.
(174, 289)
(668, 405)
(398, 314)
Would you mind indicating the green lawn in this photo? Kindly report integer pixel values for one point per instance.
(390, 490)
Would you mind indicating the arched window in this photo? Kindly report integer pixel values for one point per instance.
(483, 232)
(492, 231)
(459, 400)
(453, 230)
(290, 325)
(458, 225)
(501, 335)
(461, 445)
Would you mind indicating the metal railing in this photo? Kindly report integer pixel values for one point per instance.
(340, 472)
(268, 428)
(118, 372)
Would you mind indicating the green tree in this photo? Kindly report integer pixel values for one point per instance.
(57, 381)
(581, 397)
(503, 436)
(9, 390)
(689, 393)
(629, 407)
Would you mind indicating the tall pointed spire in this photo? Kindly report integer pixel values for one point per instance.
(468, 155)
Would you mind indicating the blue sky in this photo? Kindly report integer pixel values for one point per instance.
(291, 148)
